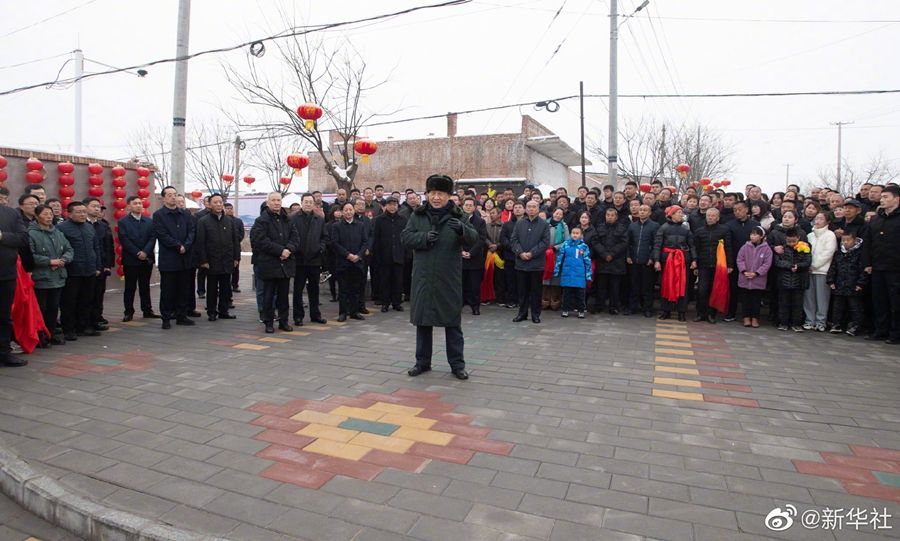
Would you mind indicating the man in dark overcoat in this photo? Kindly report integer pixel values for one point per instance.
(218, 252)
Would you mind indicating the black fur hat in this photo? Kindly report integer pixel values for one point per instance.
(441, 183)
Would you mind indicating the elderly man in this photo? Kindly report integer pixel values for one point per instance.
(530, 239)
(438, 233)
(218, 252)
(174, 229)
(274, 242)
(388, 254)
(85, 267)
(706, 241)
(310, 258)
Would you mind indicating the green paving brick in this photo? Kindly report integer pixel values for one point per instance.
(361, 425)
(891, 479)
(103, 361)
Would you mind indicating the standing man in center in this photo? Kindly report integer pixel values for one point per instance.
(138, 243)
(274, 242)
(389, 255)
(174, 229)
(310, 258)
(438, 234)
(107, 259)
(530, 239)
(218, 252)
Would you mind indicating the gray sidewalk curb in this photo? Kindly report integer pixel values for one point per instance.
(49, 500)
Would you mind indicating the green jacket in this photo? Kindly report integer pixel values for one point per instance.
(436, 299)
(47, 244)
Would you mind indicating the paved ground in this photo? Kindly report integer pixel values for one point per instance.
(606, 428)
(17, 524)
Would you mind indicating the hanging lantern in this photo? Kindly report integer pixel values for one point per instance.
(34, 176)
(66, 180)
(143, 182)
(705, 181)
(196, 194)
(119, 214)
(285, 181)
(145, 203)
(143, 172)
(95, 191)
(707, 188)
(682, 169)
(726, 182)
(297, 162)
(143, 193)
(119, 204)
(34, 164)
(3, 176)
(66, 192)
(95, 168)
(717, 184)
(366, 147)
(95, 180)
(228, 179)
(65, 168)
(118, 171)
(645, 188)
(118, 182)
(119, 193)
(3, 162)
(310, 113)
(249, 180)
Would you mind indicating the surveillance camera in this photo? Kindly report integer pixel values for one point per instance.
(142, 73)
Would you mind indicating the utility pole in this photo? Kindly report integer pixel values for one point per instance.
(179, 108)
(612, 158)
(79, 73)
(838, 181)
(238, 145)
(787, 176)
(583, 172)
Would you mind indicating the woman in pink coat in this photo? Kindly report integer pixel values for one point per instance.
(753, 262)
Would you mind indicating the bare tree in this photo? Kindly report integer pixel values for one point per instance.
(210, 155)
(878, 170)
(312, 73)
(268, 154)
(649, 151)
(150, 145)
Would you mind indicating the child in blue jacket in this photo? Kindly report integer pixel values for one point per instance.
(573, 267)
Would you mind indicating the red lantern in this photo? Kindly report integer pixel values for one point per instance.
(119, 260)
(310, 113)
(726, 182)
(366, 147)
(66, 192)
(196, 194)
(119, 214)
(249, 180)
(3, 176)
(645, 188)
(143, 172)
(95, 168)
(65, 168)
(145, 203)
(705, 181)
(228, 179)
(66, 180)
(682, 169)
(286, 181)
(119, 204)
(34, 176)
(707, 188)
(118, 182)
(297, 162)
(3, 162)
(143, 182)
(118, 171)
(34, 164)
(95, 180)
(146, 213)
(95, 191)
(119, 193)
(717, 184)
(143, 193)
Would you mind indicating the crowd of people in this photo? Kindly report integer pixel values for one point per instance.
(820, 261)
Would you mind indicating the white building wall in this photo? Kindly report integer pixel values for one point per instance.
(543, 170)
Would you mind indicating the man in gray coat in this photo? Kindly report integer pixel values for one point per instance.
(530, 239)
(438, 233)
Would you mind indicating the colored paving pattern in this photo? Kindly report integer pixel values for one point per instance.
(250, 342)
(312, 441)
(872, 472)
(696, 354)
(76, 365)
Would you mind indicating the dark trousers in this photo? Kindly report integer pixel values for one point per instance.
(77, 298)
(642, 279)
(201, 281)
(886, 303)
(236, 278)
(510, 282)
(218, 293)
(681, 304)
(705, 279)
(471, 286)
(377, 294)
(7, 291)
(407, 277)
(176, 292)
(608, 288)
(351, 285)
(48, 300)
(751, 299)
(455, 346)
(841, 304)
(137, 277)
(391, 277)
(275, 295)
(97, 302)
(734, 298)
(573, 298)
(790, 307)
(308, 277)
(530, 290)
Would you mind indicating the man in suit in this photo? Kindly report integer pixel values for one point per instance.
(310, 257)
(389, 255)
(13, 236)
(138, 243)
(217, 249)
(174, 229)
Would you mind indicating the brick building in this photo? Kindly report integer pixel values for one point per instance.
(534, 155)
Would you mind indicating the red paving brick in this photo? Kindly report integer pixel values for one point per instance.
(862, 462)
(395, 460)
(447, 417)
(869, 490)
(315, 461)
(272, 409)
(844, 473)
(702, 353)
(337, 400)
(462, 430)
(447, 454)
(297, 475)
(412, 393)
(278, 423)
(482, 446)
(730, 400)
(722, 374)
(726, 387)
(284, 438)
(64, 372)
(719, 364)
(876, 452)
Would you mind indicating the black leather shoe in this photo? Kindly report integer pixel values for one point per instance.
(270, 328)
(711, 319)
(319, 320)
(398, 308)
(104, 321)
(342, 318)
(535, 320)
(417, 370)
(235, 290)
(519, 318)
(476, 310)
(876, 337)
(70, 337)
(11, 360)
(212, 317)
(298, 323)
(385, 308)
(699, 318)
(665, 315)
(101, 326)
(682, 316)
(648, 313)
(357, 317)
(184, 321)
(285, 327)
(90, 332)
(166, 324)
(226, 315)
(460, 374)
(892, 341)
(364, 310)
(127, 318)
(195, 314)
(151, 315)
(333, 299)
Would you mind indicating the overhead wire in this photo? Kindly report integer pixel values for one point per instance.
(46, 19)
(34, 61)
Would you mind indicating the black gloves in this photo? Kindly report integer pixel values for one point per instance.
(455, 225)
(431, 237)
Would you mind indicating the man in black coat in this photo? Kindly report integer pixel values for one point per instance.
(349, 240)
(882, 261)
(274, 242)
(218, 251)
(313, 239)
(138, 241)
(530, 239)
(199, 273)
(82, 271)
(473, 259)
(107, 259)
(389, 255)
(13, 236)
(510, 289)
(174, 229)
(236, 275)
(740, 228)
(706, 241)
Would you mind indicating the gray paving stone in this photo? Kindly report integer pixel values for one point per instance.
(568, 531)
(378, 516)
(81, 462)
(466, 472)
(437, 529)
(240, 461)
(129, 475)
(563, 510)
(136, 455)
(696, 514)
(184, 491)
(242, 483)
(429, 504)
(246, 509)
(612, 499)
(475, 492)
(314, 527)
(655, 527)
(316, 501)
(505, 463)
(532, 485)
(574, 475)
(370, 491)
(147, 505)
(649, 487)
(508, 521)
(545, 455)
(183, 516)
(187, 468)
(239, 444)
(415, 481)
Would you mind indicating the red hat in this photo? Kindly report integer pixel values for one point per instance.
(670, 210)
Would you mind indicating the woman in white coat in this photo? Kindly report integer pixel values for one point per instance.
(823, 245)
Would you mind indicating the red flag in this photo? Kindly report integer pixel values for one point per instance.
(718, 298)
(487, 281)
(673, 276)
(549, 264)
(26, 312)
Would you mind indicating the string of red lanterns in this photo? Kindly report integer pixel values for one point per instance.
(66, 180)
(34, 171)
(95, 180)
(3, 174)
(143, 183)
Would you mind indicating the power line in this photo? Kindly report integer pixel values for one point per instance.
(288, 33)
(35, 61)
(50, 18)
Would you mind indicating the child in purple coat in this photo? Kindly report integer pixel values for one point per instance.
(753, 262)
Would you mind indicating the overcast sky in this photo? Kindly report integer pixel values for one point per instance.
(492, 52)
